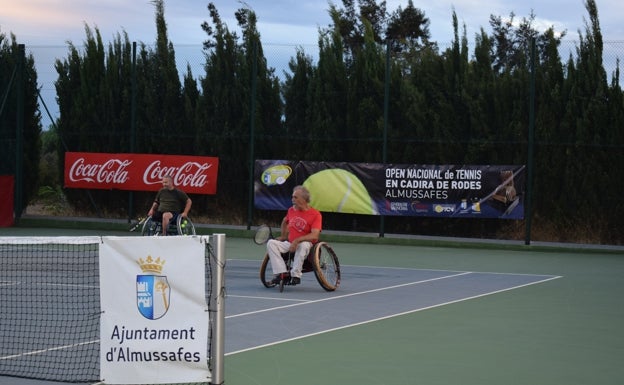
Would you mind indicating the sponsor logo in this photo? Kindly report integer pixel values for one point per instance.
(111, 171)
(419, 207)
(190, 174)
(399, 206)
(117, 172)
(440, 209)
(276, 175)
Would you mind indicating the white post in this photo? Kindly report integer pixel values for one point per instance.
(217, 308)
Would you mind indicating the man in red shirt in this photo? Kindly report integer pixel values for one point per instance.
(300, 228)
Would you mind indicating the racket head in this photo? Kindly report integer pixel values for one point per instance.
(138, 224)
(263, 234)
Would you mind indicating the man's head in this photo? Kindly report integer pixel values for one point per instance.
(300, 197)
(167, 182)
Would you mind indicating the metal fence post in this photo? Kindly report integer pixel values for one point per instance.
(531, 144)
(19, 134)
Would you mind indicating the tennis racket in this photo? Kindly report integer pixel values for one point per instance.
(138, 224)
(263, 234)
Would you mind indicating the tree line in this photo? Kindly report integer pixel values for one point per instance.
(377, 72)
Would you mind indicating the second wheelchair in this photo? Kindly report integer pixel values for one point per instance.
(179, 226)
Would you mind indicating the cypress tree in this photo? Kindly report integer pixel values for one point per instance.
(31, 133)
(365, 102)
(296, 91)
(160, 94)
(327, 115)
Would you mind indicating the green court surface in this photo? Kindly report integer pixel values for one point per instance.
(563, 331)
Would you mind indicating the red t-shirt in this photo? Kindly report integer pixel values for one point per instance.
(302, 222)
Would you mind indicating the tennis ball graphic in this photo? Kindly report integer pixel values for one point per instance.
(339, 191)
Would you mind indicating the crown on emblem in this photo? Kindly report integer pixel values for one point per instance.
(151, 265)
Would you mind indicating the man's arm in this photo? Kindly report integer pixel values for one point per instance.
(152, 209)
(284, 230)
(187, 207)
(312, 236)
(155, 204)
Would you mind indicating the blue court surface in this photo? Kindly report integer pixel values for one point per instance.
(257, 316)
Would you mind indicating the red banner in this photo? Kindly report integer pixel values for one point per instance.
(140, 172)
(7, 185)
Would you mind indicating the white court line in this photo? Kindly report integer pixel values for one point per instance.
(9, 283)
(49, 350)
(68, 285)
(420, 269)
(449, 271)
(346, 295)
(268, 298)
(392, 315)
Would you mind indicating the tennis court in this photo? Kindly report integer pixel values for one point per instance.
(427, 315)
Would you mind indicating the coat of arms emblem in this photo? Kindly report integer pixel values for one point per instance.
(153, 290)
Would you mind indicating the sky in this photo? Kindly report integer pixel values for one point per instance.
(45, 26)
(54, 22)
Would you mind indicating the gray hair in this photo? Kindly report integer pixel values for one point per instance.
(304, 192)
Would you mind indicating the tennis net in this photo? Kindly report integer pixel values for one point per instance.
(50, 307)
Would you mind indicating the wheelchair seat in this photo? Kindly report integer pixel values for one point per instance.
(179, 226)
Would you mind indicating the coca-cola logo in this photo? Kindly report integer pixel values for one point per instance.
(140, 172)
(190, 174)
(113, 171)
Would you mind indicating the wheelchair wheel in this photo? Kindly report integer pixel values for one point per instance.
(150, 227)
(326, 266)
(185, 226)
(265, 276)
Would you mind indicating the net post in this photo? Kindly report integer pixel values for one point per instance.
(217, 313)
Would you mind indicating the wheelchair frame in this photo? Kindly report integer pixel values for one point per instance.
(321, 259)
(182, 226)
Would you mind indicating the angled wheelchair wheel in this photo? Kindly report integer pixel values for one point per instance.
(326, 266)
(265, 276)
(150, 227)
(185, 226)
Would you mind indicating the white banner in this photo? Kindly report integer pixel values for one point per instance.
(154, 322)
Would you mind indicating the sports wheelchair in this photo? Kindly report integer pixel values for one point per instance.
(321, 259)
(180, 226)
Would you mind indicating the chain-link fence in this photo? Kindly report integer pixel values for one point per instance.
(191, 58)
(278, 57)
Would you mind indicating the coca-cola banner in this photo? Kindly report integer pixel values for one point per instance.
(140, 172)
(394, 189)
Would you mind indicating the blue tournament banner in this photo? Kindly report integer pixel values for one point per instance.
(462, 191)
